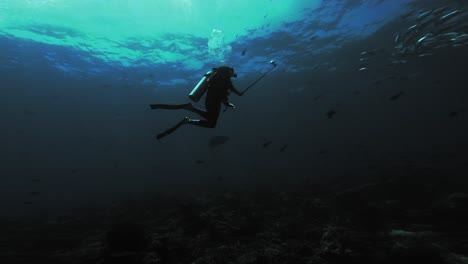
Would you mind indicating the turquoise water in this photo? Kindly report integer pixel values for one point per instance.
(189, 35)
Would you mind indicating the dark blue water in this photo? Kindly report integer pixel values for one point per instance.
(79, 134)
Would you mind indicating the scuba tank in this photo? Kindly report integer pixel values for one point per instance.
(200, 89)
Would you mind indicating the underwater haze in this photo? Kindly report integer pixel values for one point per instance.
(356, 123)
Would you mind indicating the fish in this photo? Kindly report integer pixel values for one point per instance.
(199, 161)
(413, 27)
(440, 10)
(396, 96)
(244, 51)
(424, 15)
(448, 16)
(456, 113)
(357, 92)
(323, 151)
(426, 22)
(423, 39)
(268, 143)
(461, 37)
(318, 96)
(314, 37)
(36, 180)
(73, 171)
(397, 38)
(331, 113)
(425, 55)
(28, 203)
(34, 193)
(218, 140)
(363, 69)
(283, 148)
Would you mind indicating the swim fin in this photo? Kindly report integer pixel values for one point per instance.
(171, 130)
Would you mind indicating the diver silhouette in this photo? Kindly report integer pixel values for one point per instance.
(217, 84)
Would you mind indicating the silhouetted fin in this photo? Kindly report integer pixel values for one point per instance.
(172, 129)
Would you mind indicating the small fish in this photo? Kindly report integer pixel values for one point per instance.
(397, 38)
(283, 148)
(425, 55)
(199, 161)
(36, 180)
(27, 203)
(314, 37)
(74, 171)
(396, 96)
(363, 59)
(34, 193)
(357, 92)
(244, 51)
(426, 22)
(424, 15)
(363, 69)
(331, 113)
(456, 113)
(268, 143)
(440, 10)
(323, 151)
(413, 27)
(461, 37)
(450, 15)
(218, 140)
(422, 39)
(318, 96)
(219, 178)
(370, 53)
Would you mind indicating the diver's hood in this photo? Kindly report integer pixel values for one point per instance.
(226, 70)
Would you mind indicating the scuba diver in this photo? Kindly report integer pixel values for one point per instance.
(217, 84)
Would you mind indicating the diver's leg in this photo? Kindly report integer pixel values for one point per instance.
(169, 107)
(198, 111)
(211, 116)
(187, 106)
(173, 129)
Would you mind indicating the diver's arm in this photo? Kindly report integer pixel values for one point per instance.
(237, 92)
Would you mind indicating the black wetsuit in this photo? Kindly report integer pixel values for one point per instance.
(218, 92)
